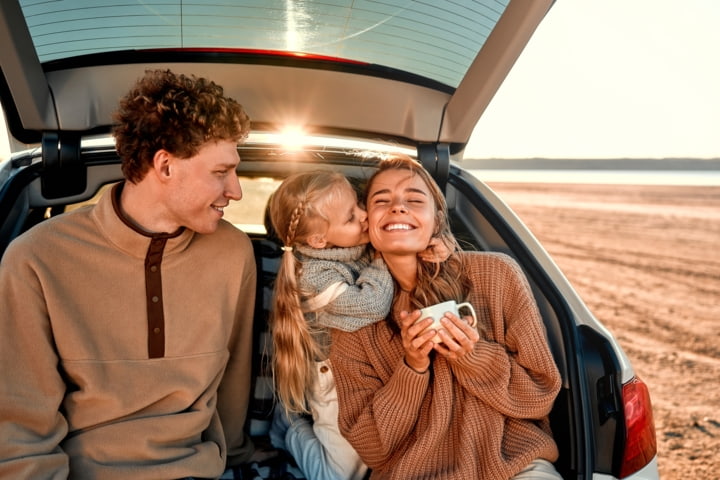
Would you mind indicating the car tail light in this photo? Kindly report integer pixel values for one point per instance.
(640, 442)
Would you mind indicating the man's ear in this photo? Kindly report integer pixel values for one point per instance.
(162, 161)
(317, 240)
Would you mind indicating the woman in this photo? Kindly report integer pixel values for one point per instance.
(475, 405)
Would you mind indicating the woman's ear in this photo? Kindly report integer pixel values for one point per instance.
(317, 240)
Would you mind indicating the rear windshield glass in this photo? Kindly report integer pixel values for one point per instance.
(436, 40)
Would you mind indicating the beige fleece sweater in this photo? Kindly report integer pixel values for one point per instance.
(484, 416)
(114, 345)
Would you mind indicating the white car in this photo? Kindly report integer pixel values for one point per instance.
(321, 81)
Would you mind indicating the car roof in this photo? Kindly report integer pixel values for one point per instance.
(410, 71)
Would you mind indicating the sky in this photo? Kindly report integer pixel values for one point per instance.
(611, 79)
(608, 79)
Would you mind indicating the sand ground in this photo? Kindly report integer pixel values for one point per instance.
(646, 260)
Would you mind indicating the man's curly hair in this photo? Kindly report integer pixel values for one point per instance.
(176, 113)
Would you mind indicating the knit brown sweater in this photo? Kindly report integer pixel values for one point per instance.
(482, 416)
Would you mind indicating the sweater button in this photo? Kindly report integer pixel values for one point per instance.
(324, 369)
(156, 330)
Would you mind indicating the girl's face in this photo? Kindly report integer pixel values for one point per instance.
(347, 222)
(401, 213)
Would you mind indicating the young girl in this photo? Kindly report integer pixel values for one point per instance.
(327, 279)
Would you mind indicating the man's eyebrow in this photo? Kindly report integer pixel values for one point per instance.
(227, 165)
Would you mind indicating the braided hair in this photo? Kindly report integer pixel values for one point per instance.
(296, 212)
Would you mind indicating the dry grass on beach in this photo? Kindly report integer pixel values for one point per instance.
(646, 260)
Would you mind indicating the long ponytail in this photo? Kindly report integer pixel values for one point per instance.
(295, 214)
(294, 347)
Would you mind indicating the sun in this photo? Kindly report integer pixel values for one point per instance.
(292, 138)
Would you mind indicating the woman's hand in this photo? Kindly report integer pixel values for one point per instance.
(436, 251)
(417, 345)
(458, 336)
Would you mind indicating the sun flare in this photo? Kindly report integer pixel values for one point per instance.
(292, 138)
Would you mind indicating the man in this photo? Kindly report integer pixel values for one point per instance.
(126, 327)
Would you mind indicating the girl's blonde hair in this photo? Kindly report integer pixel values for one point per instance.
(297, 211)
(436, 281)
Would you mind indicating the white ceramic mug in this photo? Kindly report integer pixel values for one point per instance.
(437, 311)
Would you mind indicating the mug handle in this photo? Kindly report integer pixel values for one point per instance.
(472, 311)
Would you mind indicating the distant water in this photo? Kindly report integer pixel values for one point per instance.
(610, 177)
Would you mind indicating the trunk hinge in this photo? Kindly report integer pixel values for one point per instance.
(435, 157)
(63, 173)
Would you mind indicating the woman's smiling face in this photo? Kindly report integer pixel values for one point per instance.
(401, 212)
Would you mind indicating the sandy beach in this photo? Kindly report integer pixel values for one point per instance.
(646, 260)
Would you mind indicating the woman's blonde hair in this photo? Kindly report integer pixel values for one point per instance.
(297, 211)
(436, 281)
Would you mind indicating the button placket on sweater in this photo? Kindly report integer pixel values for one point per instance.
(154, 297)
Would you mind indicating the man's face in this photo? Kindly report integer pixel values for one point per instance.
(201, 186)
